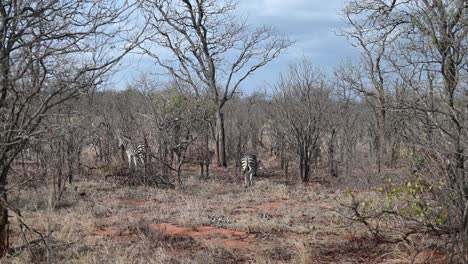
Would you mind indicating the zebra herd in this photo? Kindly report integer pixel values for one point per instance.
(135, 153)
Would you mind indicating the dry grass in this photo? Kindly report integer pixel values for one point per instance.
(271, 222)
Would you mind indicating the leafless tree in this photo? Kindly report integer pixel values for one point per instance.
(177, 119)
(350, 122)
(245, 121)
(201, 154)
(302, 99)
(425, 49)
(432, 68)
(369, 76)
(213, 50)
(40, 69)
(101, 110)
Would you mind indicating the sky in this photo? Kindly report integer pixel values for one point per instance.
(312, 24)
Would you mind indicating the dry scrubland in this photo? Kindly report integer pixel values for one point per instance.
(401, 102)
(214, 221)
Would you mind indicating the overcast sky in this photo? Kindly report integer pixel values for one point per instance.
(312, 24)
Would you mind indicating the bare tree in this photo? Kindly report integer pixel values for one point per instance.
(201, 154)
(302, 100)
(40, 69)
(349, 119)
(244, 124)
(369, 76)
(213, 51)
(432, 69)
(426, 45)
(177, 118)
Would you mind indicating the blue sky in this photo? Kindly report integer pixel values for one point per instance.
(312, 24)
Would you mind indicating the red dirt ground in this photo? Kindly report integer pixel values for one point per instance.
(114, 233)
(213, 235)
(347, 245)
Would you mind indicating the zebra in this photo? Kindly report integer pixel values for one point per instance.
(249, 163)
(135, 152)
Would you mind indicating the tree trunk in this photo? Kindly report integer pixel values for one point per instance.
(179, 177)
(301, 162)
(214, 133)
(207, 154)
(122, 153)
(146, 160)
(164, 156)
(380, 136)
(286, 168)
(306, 164)
(395, 151)
(70, 159)
(331, 157)
(4, 225)
(220, 139)
(78, 161)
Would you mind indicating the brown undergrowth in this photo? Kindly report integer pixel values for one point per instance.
(212, 221)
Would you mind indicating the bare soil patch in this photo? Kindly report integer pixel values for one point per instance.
(213, 235)
(213, 221)
(114, 233)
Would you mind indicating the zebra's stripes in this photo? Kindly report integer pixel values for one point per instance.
(135, 152)
(249, 164)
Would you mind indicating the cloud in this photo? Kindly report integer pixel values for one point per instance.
(296, 17)
(283, 7)
(312, 24)
(297, 8)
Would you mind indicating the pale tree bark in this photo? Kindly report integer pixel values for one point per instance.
(211, 49)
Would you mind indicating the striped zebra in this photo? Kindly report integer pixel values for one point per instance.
(249, 164)
(135, 152)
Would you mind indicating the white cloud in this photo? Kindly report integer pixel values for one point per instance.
(310, 23)
(305, 9)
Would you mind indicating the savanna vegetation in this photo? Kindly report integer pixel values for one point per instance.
(364, 164)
